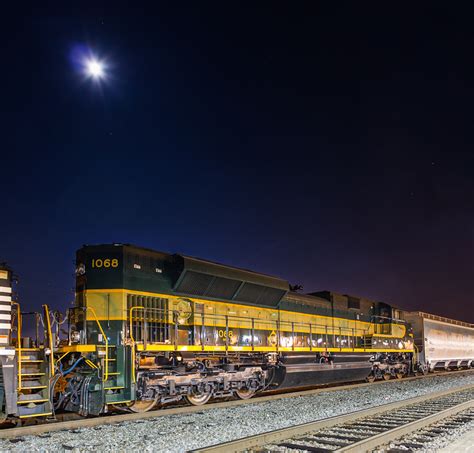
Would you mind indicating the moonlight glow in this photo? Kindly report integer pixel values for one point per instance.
(95, 69)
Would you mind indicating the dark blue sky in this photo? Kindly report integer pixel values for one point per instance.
(327, 144)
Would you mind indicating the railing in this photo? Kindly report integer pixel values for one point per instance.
(35, 343)
(71, 313)
(105, 377)
(18, 340)
(50, 336)
(133, 341)
(446, 320)
(205, 329)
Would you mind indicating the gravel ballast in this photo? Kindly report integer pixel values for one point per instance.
(181, 432)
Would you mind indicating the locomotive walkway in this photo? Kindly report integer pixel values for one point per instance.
(365, 430)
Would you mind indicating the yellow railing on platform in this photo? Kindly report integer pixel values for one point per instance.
(18, 340)
(133, 341)
(106, 371)
(50, 337)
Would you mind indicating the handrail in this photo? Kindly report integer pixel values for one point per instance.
(18, 340)
(283, 328)
(50, 336)
(131, 311)
(106, 374)
(133, 341)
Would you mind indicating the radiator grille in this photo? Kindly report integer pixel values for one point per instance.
(223, 288)
(155, 312)
(200, 284)
(194, 283)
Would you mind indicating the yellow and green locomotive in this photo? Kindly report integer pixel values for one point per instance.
(149, 328)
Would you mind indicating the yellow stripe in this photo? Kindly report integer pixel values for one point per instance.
(35, 415)
(31, 401)
(77, 348)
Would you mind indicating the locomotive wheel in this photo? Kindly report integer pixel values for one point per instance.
(400, 375)
(198, 399)
(245, 394)
(143, 406)
(387, 376)
(370, 378)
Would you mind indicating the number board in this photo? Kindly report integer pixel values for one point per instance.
(105, 263)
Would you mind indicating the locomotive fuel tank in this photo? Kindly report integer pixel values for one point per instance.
(297, 370)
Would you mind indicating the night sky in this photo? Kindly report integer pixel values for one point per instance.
(331, 145)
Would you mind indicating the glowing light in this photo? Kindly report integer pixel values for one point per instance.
(95, 69)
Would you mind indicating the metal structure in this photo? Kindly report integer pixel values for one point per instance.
(149, 328)
(442, 342)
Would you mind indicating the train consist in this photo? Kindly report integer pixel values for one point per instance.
(149, 328)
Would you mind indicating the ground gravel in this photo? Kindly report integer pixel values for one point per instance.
(178, 433)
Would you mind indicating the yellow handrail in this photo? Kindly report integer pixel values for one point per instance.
(50, 336)
(106, 374)
(62, 356)
(133, 342)
(131, 311)
(18, 340)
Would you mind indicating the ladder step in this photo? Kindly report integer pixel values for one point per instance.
(111, 360)
(32, 401)
(113, 388)
(36, 415)
(31, 374)
(28, 387)
(115, 373)
(31, 361)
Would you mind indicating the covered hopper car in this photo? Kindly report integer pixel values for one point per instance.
(442, 343)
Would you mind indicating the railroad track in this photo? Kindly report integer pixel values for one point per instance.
(366, 430)
(74, 423)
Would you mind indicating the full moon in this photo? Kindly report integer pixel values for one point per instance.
(95, 69)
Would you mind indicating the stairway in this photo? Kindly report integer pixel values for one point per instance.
(117, 386)
(33, 383)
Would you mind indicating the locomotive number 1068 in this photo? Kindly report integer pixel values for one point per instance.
(99, 263)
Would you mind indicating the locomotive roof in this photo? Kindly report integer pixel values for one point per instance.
(204, 265)
(193, 276)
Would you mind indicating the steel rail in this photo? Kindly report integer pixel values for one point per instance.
(280, 435)
(51, 426)
(400, 431)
